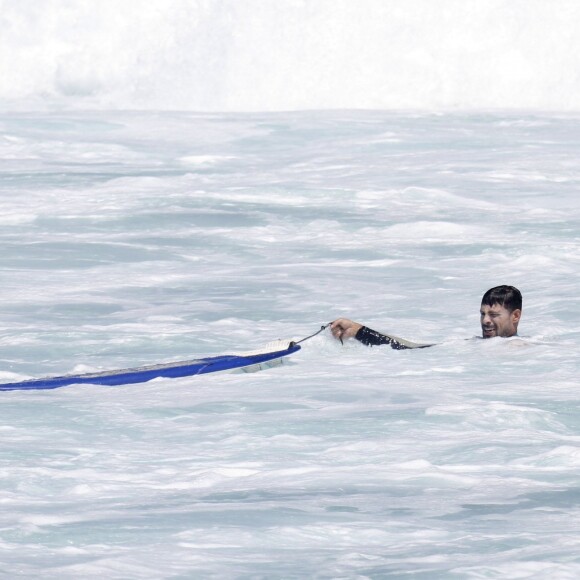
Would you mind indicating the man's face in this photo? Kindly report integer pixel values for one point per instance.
(497, 320)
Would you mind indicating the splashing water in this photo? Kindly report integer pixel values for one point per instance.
(252, 55)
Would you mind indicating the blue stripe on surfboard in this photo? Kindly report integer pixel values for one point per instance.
(147, 373)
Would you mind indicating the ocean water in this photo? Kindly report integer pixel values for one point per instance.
(259, 55)
(141, 237)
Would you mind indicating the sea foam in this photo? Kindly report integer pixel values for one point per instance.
(251, 55)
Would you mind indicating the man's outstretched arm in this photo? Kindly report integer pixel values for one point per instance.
(344, 328)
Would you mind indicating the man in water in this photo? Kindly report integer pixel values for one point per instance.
(500, 313)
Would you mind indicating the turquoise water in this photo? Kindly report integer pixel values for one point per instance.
(137, 238)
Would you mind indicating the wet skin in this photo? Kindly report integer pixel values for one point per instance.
(497, 320)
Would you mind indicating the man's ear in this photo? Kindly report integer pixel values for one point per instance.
(516, 315)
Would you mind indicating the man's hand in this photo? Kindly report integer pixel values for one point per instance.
(344, 328)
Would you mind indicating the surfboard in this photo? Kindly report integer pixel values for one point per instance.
(270, 355)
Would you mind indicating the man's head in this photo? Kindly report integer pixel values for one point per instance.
(501, 310)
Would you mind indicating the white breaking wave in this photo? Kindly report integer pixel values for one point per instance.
(243, 55)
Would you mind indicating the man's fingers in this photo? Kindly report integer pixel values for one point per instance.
(339, 328)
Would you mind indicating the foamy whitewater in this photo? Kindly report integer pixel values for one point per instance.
(136, 238)
(144, 219)
(263, 55)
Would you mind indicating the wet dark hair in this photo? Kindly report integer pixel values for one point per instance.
(507, 296)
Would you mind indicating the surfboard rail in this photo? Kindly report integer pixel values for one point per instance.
(166, 370)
